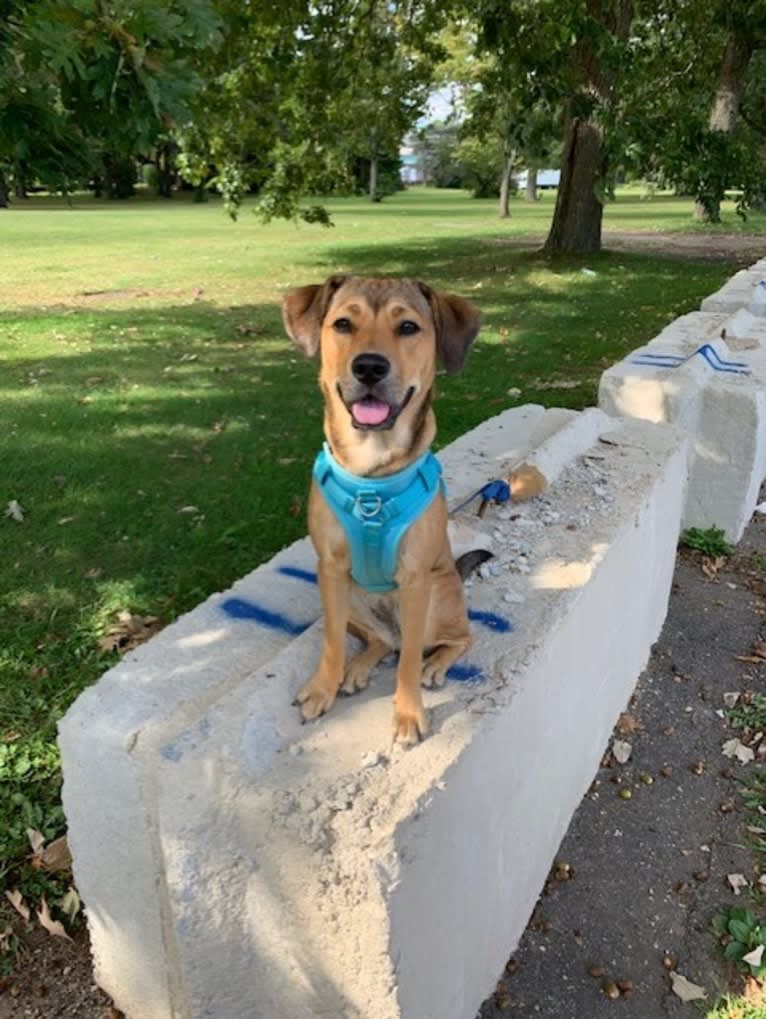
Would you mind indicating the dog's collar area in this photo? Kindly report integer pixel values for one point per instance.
(376, 513)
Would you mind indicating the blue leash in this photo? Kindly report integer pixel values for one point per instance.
(496, 491)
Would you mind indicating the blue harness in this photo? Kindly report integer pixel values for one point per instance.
(375, 513)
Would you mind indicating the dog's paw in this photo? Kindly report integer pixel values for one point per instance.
(357, 677)
(436, 664)
(434, 673)
(314, 699)
(410, 725)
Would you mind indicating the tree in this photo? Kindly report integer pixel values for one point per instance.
(87, 86)
(695, 67)
(573, 56)
(297, 95)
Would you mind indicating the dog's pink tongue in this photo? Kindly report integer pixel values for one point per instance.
(370, 411)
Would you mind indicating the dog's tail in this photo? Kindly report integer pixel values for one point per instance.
(469, 562)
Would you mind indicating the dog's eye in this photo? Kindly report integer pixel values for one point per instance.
(342, 325)
(408, 328)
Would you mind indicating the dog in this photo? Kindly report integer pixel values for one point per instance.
(379, 342)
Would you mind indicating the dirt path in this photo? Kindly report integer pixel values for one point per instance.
(741, 248)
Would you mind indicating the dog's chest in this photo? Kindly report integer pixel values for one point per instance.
(378, 613)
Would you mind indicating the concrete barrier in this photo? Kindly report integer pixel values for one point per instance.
(235, 863)
(705, 373)
(745, 289)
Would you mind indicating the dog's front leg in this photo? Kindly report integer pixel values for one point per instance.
(318, 695)
(409, 717)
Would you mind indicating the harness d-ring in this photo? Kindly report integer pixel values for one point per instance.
(366, 508)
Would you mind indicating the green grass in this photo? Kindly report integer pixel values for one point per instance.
(120, 410)
(735, 1007)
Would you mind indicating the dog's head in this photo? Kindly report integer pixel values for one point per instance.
(379, 341)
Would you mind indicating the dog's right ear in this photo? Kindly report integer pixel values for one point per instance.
(304, 309)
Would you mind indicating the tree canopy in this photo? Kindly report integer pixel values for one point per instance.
(294, 100)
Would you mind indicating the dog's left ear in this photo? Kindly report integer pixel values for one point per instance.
(457, 323)
(303, 310)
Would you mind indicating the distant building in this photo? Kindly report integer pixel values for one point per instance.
(412, 171)
(545, 178)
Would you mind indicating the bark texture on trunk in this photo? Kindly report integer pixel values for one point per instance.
(530, 192)
(576, 226)
(504, 210)
(725, 109)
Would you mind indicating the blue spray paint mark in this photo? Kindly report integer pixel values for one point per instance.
(298, 573)
(464, 673)
(238, 608)
(707, 352)
(491, 620)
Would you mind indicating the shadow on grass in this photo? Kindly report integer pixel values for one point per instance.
(161, 453)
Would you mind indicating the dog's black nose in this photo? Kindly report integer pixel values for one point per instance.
(370, 368)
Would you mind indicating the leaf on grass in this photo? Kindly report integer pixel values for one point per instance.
(15, 511)
(36, 840)
(54, 927)
(737, 882)
(129, 631)
(755, 957)
(54, 857)
(621, 751)
(16, 899)
(69, 903)
(685, 989)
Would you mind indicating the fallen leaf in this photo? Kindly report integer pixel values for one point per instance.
(627, 723)
(711, 566)
(685, 989)
(736, 748)
(129, 632)
(36, 840)
(69, 903)
(737, 882)
(53, 857)
(621, 751)
(54, 927)
(730, 699)
(5, 938)
(16, 899)
(754, 958)
(15, 511)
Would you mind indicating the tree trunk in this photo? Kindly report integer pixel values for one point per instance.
(3, 192)
(504, 210)
(576, 226)
(530, 194)
(374, 177)
(725, 109)
(164, 167)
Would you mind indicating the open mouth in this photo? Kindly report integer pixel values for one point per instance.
(370, 412)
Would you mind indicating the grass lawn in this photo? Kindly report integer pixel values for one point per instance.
(158, 430)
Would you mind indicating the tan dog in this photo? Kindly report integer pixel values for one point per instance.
(379, 341)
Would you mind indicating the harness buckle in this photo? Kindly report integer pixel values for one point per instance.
(369, 504)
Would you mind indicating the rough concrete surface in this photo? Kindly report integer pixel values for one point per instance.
(649, 872)
(706, 373)
(287, 870)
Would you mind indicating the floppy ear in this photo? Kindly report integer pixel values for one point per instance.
(457, 323)
(303, 310)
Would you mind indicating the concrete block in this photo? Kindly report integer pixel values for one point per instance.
(235, 863)
(715, 390)
(743, 290)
